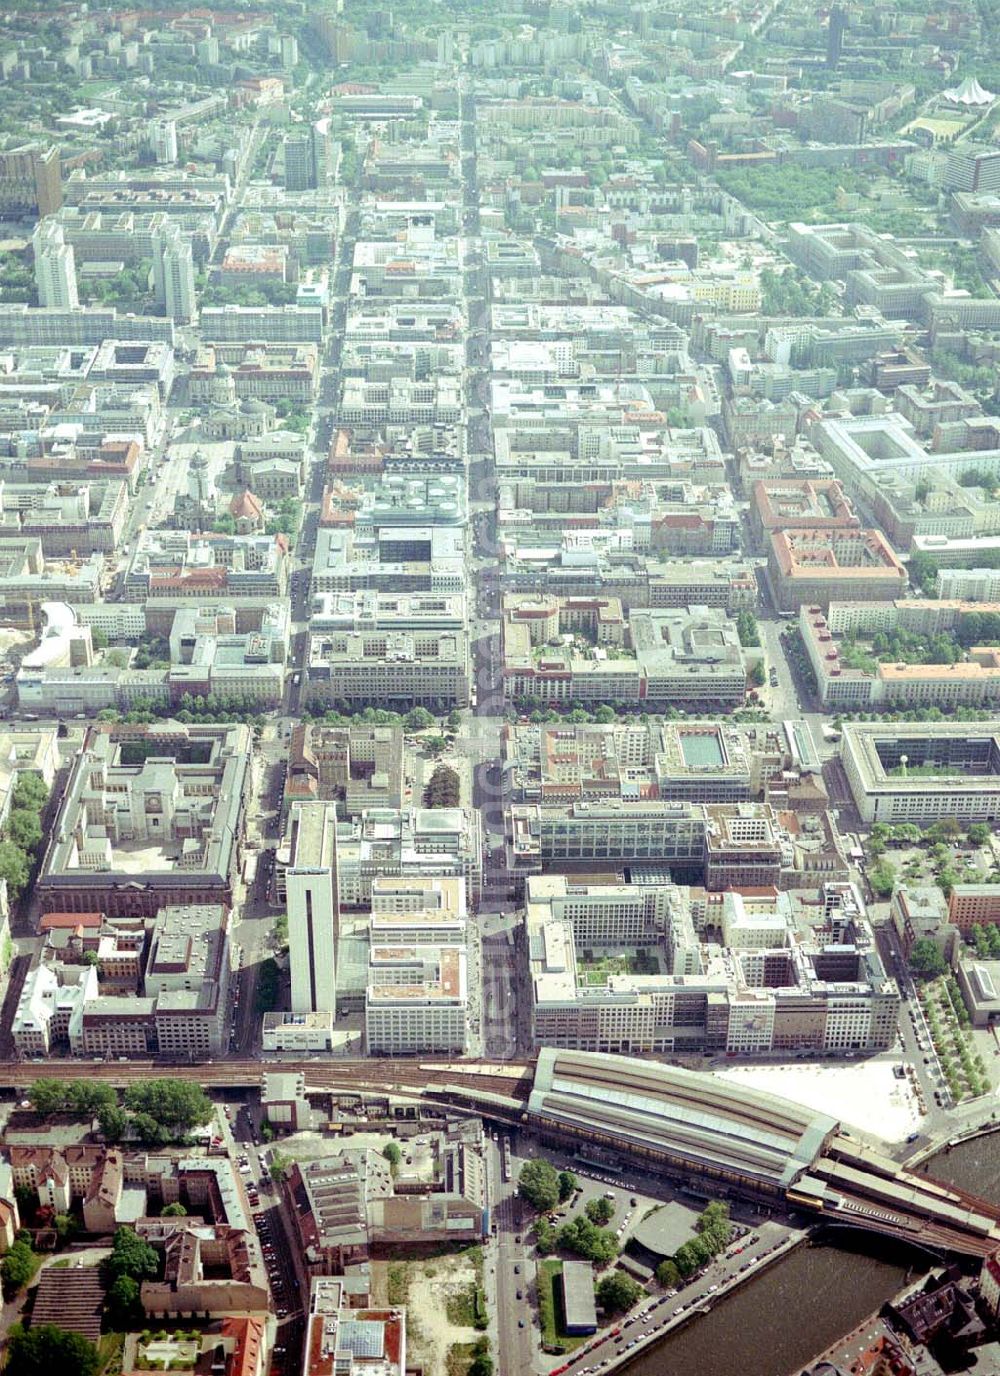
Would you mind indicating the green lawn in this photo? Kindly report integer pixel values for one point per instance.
(109, 1350)
(630, 963)
(550, 1307)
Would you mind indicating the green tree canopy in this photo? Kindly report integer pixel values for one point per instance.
(923, 571)
(66, 1228)
(882, 878)
(667, 1274)
(90, 1097)
(18, 1267)
(746, 629)
(617, 1292)
(691, 1255)
(443, 788)
(588, 1241)
(538, 1185)
(148, 1131)
(418, 719)
(926, 960)
(599, 1211)
(714, 1214)
(175, 1210)
(14, 867)
(114, 1123)
(545, 1236)
(44, 1349)
(24, 827)
(131, 1256)
(47, 1096)
(178, 1105)
(30, 790)
(123, 1302)
(392, 1153)
(568, 1186)
(279, 1166)
(86, 1097)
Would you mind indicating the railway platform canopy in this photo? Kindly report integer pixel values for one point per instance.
(692, 1125)
(679, 1118)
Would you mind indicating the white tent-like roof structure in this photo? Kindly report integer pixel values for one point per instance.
(969, 93)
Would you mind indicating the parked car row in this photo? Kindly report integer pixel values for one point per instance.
(276, 1274)
(641, 1315)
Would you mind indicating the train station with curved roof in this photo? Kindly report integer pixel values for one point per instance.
(701, 1127)
(696, 1122)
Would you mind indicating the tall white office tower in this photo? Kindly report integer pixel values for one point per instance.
(55, 267)
(313, 907)
(173, 274)
(165, 141)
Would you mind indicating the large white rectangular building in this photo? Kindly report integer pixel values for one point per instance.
(416, 1001)
(923, 771)
(417, 996)
(312, 906)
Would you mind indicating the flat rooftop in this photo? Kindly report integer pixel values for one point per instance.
(701, 748)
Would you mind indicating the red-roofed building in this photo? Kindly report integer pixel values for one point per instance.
(249, 1346)
(233, 1346)
(73, 922)
(805, 504)
(342, 1338)
(248, 513)
(822, 566)
(260, 90)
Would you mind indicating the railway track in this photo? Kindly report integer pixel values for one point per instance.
(376, 1076)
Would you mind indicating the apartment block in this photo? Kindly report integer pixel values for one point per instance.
(972, 905)
(668, 833)
(271, 373)
(31, 180)
(777, 504)
(178, 564)
(808, 566)
(153, 988)
(848, 677)
(426, 668)
(362, 766)
(693, 761)
(416, 999)
(262, 324)
(408, 843)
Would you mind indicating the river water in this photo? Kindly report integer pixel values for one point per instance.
(773, 1325)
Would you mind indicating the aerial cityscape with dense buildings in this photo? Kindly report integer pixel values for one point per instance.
(500, 688)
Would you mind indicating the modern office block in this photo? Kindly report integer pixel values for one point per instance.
(313, 909)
